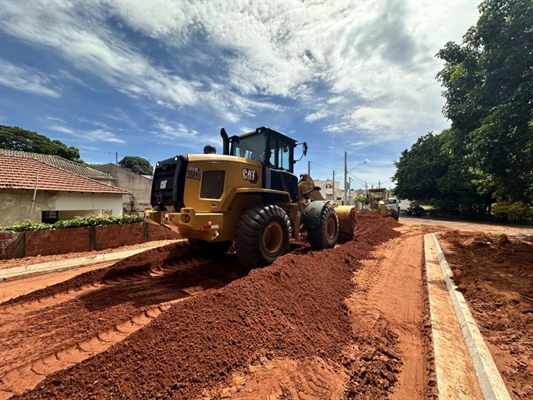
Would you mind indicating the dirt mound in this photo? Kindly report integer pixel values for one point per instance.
(293, 310)
(495, 273)
(370, 225)
(137, 264)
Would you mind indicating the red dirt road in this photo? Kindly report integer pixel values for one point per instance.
(349, 322)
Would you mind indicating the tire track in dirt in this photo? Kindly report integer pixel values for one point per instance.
(53, 329)
(27, 376)
(284, 331)
(390, 294)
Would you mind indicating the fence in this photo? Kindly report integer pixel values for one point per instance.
(71, 240)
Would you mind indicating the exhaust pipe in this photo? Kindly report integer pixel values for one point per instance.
(225, 141)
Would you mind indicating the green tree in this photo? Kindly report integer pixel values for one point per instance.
(489, 99)
(15, 138)
(419, 169)
(430, 171)
(136, 164)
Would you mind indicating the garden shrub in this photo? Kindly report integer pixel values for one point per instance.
(76, 222)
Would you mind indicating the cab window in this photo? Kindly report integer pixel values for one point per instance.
(251, 147)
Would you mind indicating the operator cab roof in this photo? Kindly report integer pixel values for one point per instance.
(272, 133)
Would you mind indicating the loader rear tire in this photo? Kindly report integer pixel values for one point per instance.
(208, 249)
(262, 235)
(325, 235)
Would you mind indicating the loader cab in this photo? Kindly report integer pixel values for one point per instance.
(274, 150)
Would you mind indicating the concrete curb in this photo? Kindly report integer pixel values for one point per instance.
(489, 378)
(65, 264)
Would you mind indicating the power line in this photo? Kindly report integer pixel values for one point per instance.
(331, 169)
(106, 152)
(356, 178)
(103, 152)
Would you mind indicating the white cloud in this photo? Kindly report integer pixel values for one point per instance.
(28, 80)
(316, 116)
(95, 135)
(57, 119)
(102, 135)
(176, 131)
(62, 129)
(366, 66)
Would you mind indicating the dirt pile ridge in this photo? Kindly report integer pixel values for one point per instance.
(495, 274)
(291, 312)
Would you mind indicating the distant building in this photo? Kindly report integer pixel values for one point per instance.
(327, 189)
(140, 186)
(31, 189)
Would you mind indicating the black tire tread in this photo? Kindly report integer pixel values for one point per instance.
(317, 236)
(248, 234)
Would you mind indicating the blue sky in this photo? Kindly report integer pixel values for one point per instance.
(160, 78)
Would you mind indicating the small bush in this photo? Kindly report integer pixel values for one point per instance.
(87, 220)
(362, 199)
(511, 211)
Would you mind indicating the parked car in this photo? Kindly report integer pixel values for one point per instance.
(415, 209)
(393, 203)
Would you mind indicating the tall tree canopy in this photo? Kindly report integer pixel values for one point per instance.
(136, 164)
(15, 138)
(487, 154)
(489, 98)
(429, 172)
(419, 168)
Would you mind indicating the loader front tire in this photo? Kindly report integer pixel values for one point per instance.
(325, 235)
(262, 235)
(208, 249)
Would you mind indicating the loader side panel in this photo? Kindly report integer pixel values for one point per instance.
(283, 180)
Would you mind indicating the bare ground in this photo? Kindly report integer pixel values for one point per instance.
(349, 322)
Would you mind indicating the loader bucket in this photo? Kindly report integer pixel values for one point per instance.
(346, 215)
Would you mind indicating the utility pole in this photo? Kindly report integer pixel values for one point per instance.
(309, 168)
(351, 196)
(333, 190)
(116, 158)
(345, 178)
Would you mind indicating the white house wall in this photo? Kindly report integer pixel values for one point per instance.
(15, 205)
(111, 203)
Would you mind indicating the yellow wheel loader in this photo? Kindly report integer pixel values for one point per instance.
(248, 195)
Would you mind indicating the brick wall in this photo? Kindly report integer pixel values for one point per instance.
(112, 236)
(61, 241)
(11, 245)
(158, 232)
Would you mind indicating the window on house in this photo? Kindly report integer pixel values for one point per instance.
(49, 217)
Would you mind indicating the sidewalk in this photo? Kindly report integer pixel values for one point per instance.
(458, 345)
(58, 265)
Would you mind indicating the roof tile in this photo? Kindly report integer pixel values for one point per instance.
(61, 162)
(18, 172)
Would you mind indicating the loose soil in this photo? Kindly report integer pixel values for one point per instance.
(17, 262)
(495, 274)
(345, 323)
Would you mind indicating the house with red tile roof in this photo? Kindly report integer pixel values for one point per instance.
(65, 164)
(31, 189)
